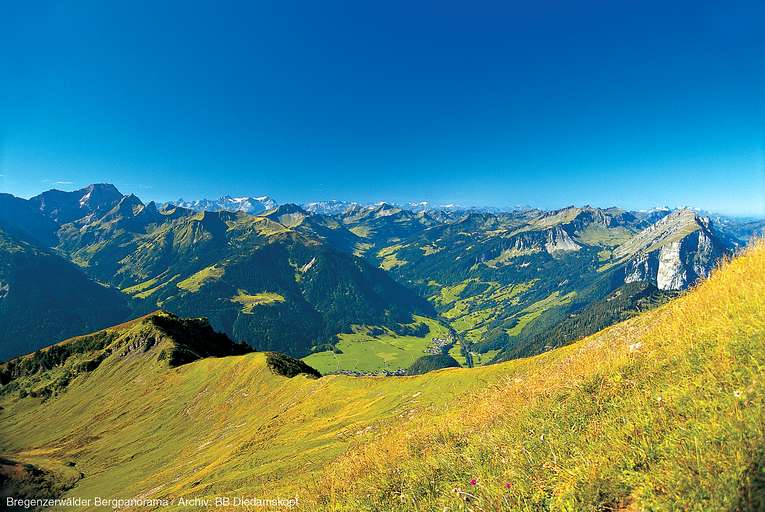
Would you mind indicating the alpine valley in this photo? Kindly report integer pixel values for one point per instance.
(348, 287)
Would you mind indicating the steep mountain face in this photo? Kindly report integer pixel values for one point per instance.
(63, 207)
(24, 220)
(251, 205)
(44, 298)
(114, 414)
(673, 253)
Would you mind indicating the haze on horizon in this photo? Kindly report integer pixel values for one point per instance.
(500, 104)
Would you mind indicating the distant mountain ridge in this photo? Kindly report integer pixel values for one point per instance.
(282, 280)
(292, 278)
(747, 226)
(259, 204)
(63, 207)
(252, 205)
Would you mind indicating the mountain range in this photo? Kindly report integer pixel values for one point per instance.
(330, 286)
(252, 205)
(255, 205)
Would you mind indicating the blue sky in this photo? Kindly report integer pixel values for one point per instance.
(481, 103)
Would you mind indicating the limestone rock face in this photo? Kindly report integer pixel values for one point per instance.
(677, 251)
(671, 274)
(559, 240)
(641, 268)
(64, 207)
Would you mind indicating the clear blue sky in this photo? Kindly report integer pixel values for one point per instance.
(545, 103)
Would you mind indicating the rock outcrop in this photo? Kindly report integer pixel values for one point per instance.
(673, 253)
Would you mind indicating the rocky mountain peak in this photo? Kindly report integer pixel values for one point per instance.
(99, 194)
(247, 204)
(151, 207)
(130, 203)
(674, 252)
(288, 208)
(64, 207)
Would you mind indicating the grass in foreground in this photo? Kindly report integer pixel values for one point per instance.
(662, 412)
(225, 426)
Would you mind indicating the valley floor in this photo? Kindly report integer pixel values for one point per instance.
(362, 351)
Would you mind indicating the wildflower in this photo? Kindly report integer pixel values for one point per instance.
(473, 481)
(737, 393)
(508, 485)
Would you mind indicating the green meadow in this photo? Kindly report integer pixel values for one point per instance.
(366, 352)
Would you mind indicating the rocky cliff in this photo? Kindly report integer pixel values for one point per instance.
(673, 253)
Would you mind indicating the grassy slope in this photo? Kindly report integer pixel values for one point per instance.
(44, 299)
(216, 426)
(664, 411)
(367, 353)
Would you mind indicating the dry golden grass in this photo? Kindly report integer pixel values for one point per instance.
(662, 412)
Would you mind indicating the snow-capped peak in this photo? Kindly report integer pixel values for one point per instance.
(251, 205)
